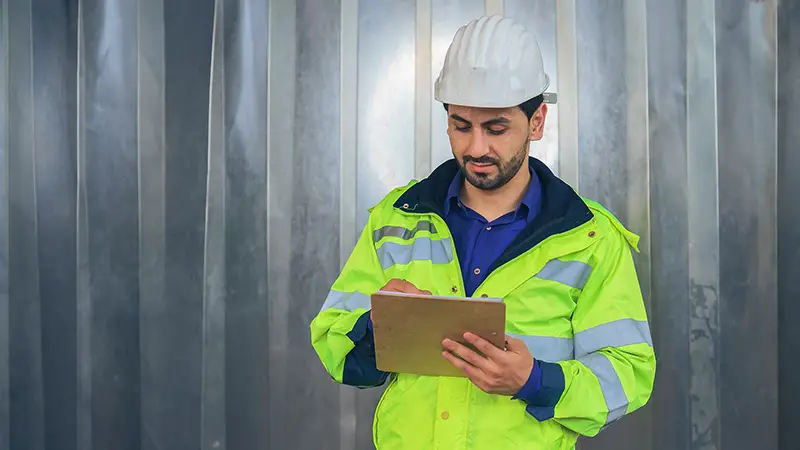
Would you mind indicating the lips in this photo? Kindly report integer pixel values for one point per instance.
(481, 167)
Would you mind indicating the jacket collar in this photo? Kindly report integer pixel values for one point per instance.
(429, 194)
(562, 208)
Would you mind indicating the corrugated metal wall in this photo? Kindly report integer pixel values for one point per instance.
(182, 179)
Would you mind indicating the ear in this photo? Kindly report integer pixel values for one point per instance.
(536, 124)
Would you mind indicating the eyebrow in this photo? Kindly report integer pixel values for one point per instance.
(488, 123)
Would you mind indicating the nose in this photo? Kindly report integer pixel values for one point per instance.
(478, 145)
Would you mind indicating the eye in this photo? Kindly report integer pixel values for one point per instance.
(462, 129)
(496, 132)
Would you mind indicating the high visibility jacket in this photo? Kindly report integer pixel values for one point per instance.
(571, 295)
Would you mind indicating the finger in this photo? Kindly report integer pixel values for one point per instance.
(409, 288)
(484, 346)
(475, 374)
(393, 285)
(397, 285)
(404, 286)
(467, 354)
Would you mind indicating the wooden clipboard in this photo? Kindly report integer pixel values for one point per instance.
(409, 329)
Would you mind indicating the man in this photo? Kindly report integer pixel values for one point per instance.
(494, 222)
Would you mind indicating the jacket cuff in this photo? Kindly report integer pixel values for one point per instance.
(542, 404)
(362, 329)
(359, 364)
(531, 388)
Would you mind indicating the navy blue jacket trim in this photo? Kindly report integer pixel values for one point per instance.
(359, 365)
(531, 388)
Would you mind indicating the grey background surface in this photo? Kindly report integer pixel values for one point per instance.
(181, 180)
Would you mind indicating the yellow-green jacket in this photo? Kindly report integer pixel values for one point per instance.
(571, 294)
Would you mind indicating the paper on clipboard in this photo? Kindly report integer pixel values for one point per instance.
(409, 329)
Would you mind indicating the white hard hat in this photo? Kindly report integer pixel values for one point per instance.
(493, 62)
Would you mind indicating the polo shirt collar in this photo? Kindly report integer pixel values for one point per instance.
(529, 205)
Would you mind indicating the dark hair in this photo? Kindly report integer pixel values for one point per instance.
(529, 107)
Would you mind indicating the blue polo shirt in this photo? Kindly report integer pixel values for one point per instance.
(479, 243)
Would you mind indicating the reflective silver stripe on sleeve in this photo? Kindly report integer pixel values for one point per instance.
(403, 232)
(571, 273)
(348, 301)
(610, 384)
(612, 334)
(547, 348)
(437, 251)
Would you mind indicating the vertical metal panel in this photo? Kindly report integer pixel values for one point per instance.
(539, 16)
(214, 374)
(703, 218)
(280, 167)
(246, 28)
(747, 207)
(53, 70)
(788, 23)
(386, 100)
(213, 396)
(83, 291)
(171, 330)
(423, 90)
(157, 421)
(374, 94)
(109, 28)
(612, 69)
(315, 220)
(5, 392)
(637, 211)
(389, 150)
(567, 69)
(447, 16)
(25, 361)
(602, 130)
(666, 46)
(349, 137)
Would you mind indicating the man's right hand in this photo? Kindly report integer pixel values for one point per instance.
(398, 285)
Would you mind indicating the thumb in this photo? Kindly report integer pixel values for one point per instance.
(516, 345)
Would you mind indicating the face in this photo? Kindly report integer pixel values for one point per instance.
(491, 145)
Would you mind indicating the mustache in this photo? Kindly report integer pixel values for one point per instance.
(481, 160)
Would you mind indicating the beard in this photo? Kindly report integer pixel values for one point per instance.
(506, 170)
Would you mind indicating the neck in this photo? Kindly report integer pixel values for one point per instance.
(495, 203)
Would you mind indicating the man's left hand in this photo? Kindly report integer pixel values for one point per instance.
(498, 371)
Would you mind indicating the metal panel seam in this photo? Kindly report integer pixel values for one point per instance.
(212, 408)
(83, 294)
